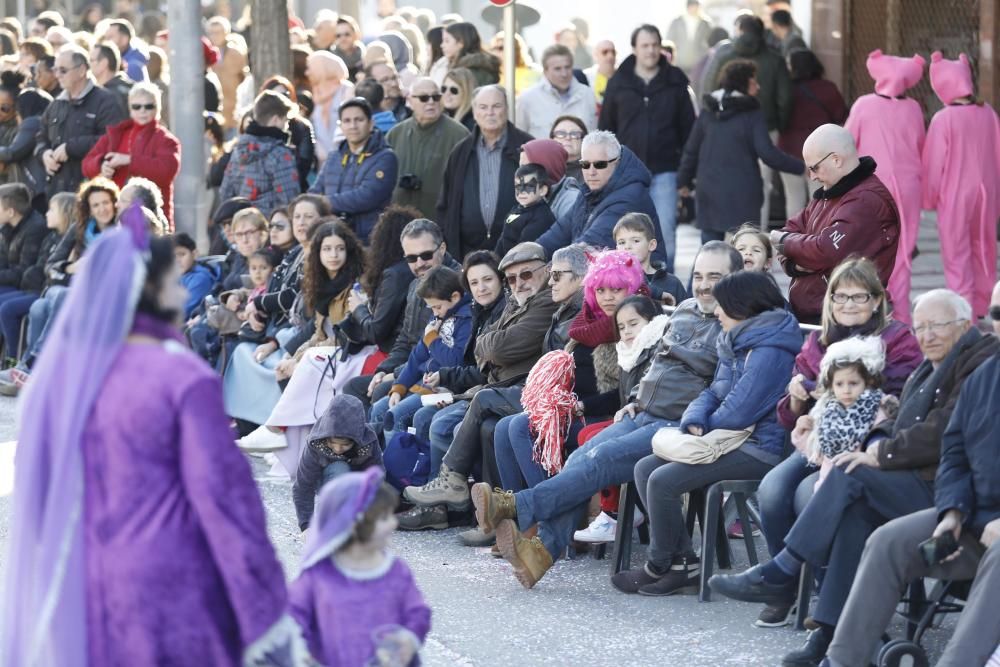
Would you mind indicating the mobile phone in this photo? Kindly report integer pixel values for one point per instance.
(936, 549)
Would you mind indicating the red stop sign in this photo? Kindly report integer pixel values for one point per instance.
(500, 3)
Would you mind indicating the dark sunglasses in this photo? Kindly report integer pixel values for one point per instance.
(525, 186)
(523, 276)
(61, 71)
(995, 313)
(557, 275)
(450, 89)
(427, 98)
(425, 256)
(143, 107)
(600, 164)
(814, 167)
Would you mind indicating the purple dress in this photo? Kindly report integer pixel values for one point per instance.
(179, 568)
(338, 612)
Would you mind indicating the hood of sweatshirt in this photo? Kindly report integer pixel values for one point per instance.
(951, 79)
(894, 75)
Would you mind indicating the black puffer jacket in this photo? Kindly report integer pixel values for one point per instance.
(379, 321)
(20, 248)
(653, 119)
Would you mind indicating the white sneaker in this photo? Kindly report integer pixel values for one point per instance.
(262, 440)
(601, 529)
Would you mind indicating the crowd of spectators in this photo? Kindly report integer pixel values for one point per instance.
(490, 290)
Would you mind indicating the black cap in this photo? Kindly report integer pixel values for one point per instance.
(229, 208)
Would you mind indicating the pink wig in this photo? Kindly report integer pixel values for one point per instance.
(617, 269)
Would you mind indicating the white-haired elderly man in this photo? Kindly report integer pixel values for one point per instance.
(892, 476)
(615, 182)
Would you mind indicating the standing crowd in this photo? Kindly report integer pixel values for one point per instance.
(411, 297)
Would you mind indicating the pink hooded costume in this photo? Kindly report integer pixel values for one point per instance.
(961, 162)
(890, 127)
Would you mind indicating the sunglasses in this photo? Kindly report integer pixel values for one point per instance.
(278, 226)
(557, 275)
(427, 98)
(563, 134)
(61, 71)
(523, 276)
(995, 313)
(814, 167)
(425, 256)
(143, 107)
(525, 187)
(600, 164)
(450, 89)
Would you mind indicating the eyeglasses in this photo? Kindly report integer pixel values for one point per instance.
(143, 107)
(523, 276)
(525, 187)
(600, 164)
(995, 313)
(246, 235)
(425, 256)
(557, 275)
(841, 298)
(937, 328)
(427, 98)
(813, 168)
(575, 135)
(61, 71)
(450, 89)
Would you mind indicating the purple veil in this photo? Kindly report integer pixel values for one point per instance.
(43, 617)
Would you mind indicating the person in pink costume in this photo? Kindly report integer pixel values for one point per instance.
(889, 126)
(960, 165)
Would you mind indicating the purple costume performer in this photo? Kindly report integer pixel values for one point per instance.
(138, 535)
(342, 613)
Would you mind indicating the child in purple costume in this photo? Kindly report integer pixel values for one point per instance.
(357, 604)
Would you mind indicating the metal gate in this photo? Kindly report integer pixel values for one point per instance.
(905, 27)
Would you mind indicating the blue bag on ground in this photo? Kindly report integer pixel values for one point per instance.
(407, 460)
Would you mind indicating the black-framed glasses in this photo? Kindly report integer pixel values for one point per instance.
(860, 297)
(425, 256)
(143, 107)
(937, 328)
(61, 71)
(245, 235)
(995, 313)
(576, 135)
(526, 187)
(427, 98)
(523, 276)
(557, 275)
(600, 165)
(813, 168)
(450, 89)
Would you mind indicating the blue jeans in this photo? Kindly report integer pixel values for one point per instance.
(512, 444)
(663, 191)
(782, 495)
(558, 503)
(398, 417)
(41, 315)
(443, 426)
(14, 307)
(422, 422)
(334, 470)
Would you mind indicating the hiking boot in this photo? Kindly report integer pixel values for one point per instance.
(682, 578)
(424, 517)
(448, 488)
(492, 506)
(630, 581)
(775, 615)
(477, 538)
(813, 651)
(750, 586)
(262, 440)
(530, 558)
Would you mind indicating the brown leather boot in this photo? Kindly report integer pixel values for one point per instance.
(529, 557)
(528, 534)
(492, 506)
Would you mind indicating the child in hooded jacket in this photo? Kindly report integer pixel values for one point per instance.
(356, 603)
(531, 216)
(340, 442)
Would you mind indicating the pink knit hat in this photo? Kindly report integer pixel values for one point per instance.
(894, 75)
(951, 79)
(550, 154)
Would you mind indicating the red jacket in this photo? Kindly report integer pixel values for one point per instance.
(155, 153)
(857, 216)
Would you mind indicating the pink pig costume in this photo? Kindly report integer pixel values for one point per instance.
(961, 162)
(889, 126)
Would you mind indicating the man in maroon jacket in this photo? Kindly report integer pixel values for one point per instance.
(852, 214)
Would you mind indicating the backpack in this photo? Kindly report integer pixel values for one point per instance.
(407, 460)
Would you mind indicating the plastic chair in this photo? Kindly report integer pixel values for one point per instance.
(628, 499)
(714, 543)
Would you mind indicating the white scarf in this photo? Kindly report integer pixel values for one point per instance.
(649, 336)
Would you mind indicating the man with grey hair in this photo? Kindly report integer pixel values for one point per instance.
(74, 121)
(478, 189)
(891, 476)
(852, 214)
(557, 94)
(615, 182)
(424, 249)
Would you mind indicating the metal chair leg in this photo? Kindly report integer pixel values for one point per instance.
(805, 595)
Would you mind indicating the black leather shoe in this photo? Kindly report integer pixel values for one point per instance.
(813, 651)
(750, 586)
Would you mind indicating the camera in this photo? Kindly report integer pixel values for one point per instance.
(936, 549)
(410, 182)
